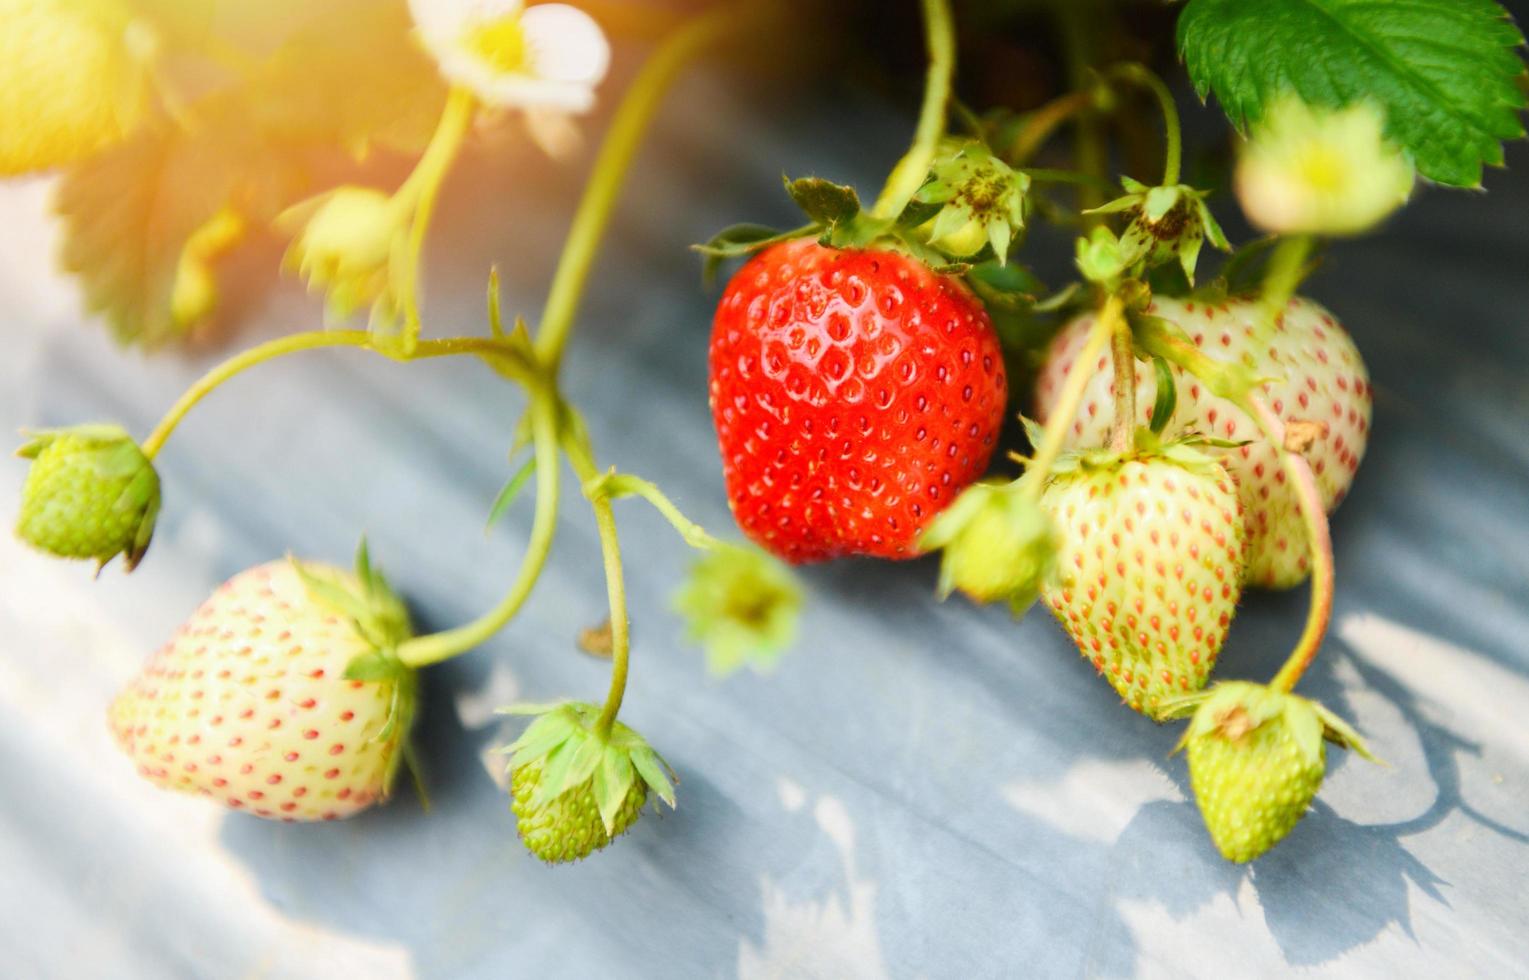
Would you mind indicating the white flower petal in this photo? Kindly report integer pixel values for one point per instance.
(566, 44)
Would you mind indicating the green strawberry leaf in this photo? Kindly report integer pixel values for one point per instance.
(738, 241)
(1445, 71)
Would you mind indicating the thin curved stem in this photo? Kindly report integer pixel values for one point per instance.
(1172, 132)
(209, 382)
(605, 182)
(1043, 122)
(424, 185)
(496, 353)
(436, 647)
(625, 484)
(1106, 326)
(1319, 541)
(909, 173)
(581, 458)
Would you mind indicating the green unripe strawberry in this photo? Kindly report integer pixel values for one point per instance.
(575, 787)
(91, 493)
(1257, 757)
(1149, 565)
(997, 545)
(568, 828)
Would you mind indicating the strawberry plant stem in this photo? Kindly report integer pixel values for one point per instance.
(624, 484)
(1319, 540)
(436, 647)
(1106, 325)
(581, 458)
(424, 184)
(1287, 267)
(1042, 122)
(1078, 21)
(1173, 140)
(636, 111)
(1123, 358)
(497, 353)
(911, 171)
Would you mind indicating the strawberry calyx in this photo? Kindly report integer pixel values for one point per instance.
(996, 544)
(1165, 223)
(1188, 450)
(1231, 710)
(382, 620)
(565, 770)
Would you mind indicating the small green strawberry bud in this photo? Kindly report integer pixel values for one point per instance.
(91, 493)
(1257, 757)
(998, 546)
(344, 243)
(982, 202)
(573, 788)
(741, 606)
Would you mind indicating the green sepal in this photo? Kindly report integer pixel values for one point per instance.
(374, 665)
(742, 240)
(1226, 379)
(651, 767)
(510, 492)
(380, 616)
(823, 201)
(997, 545)
(1167, 395)
(1340, 732)
(613, 779)
(566, 742)
(569, 765)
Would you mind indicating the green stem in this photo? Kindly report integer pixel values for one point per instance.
(909, 174)
(1287, 267)
(1106, 326)
(436, 647)
(241, 362)
(1172, 132)
(1320, 543)
(624, 484)
(1123, 358)
(1078, 21)
(423, 186)
(616, 153)
(581, 457)
(1044, 121)
(498, 354)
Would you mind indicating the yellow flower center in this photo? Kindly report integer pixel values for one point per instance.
(1324, 168)
(500, 43)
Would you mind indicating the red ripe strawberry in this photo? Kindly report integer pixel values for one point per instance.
(856, 393)
(250, 704)
(1148, 572)
(1320, 378)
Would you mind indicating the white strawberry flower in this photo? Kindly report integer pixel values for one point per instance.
(544, 59)
(1321, 171)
